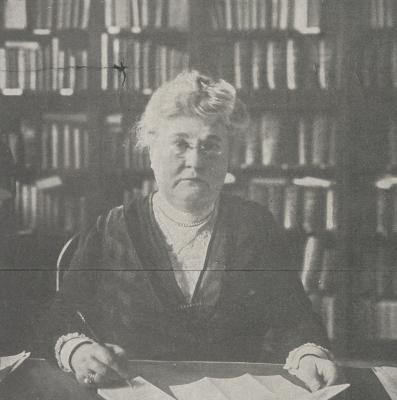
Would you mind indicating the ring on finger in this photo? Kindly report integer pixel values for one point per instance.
(90, 378)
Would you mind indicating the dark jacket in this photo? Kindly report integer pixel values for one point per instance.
(122, 280)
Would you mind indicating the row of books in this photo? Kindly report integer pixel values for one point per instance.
(378, 62)
(55, 211)
(47, 67)
(44, 16)
(376, 276)
(301, 15)
(65, 143)
(375, 320)
(253, 65)
(276, 139)
(308, 204)
(379, 13)
(148, 64)
(121, 153)
(273, 139)
(50, 211)
(378, 205)
(137, 15)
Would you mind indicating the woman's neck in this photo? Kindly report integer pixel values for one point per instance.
(182, 217)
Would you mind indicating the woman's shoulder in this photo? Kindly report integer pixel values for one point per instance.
(246, 210)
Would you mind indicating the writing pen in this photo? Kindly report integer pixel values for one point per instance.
(88, 326)
(94, 336)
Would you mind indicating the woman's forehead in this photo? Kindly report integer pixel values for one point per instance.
(192, 128)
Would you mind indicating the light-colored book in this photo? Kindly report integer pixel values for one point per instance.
(15, 14)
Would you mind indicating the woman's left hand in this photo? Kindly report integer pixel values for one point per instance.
(316, 372)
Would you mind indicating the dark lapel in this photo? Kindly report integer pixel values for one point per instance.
(153, 253)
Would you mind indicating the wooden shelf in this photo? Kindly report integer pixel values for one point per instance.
(162, 35)
(359, 163)
(235, 34)
(290, 172)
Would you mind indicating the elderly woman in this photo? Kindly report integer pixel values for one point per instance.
(186, 273)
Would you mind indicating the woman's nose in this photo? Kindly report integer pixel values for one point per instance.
(193, 158)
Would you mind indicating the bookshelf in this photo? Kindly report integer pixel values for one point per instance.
(75, 75)
(372, 92)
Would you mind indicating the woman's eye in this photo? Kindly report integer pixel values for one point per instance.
(211, 147)
(181, 145)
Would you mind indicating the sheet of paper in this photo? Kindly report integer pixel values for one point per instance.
(325, 393)
(286, 390)
(140, 389)
(281, 387)
(11, 363)
(388, 378)
(204, 389)
(243, 387)
(251, 387)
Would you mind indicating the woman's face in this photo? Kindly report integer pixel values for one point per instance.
(190, 158)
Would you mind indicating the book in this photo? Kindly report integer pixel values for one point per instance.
(258, 75)
(332, 210)
(114, 136)
(313, 219)
(304, 145)
(292, 207)
(270, 135)
(292, 64)
(332, 275)
(319, 141)
(393, 57)
(326, 64)
(270, 193)
(252, 143)
(276, 67)
(383, 211)
(312, 262)
(264, 14)
(15, 14)
(307, 16)
(242, 65)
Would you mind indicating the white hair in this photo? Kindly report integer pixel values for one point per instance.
(194, 95)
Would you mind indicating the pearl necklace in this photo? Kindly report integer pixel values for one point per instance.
(187, 224)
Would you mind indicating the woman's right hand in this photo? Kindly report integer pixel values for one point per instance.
(96, 364)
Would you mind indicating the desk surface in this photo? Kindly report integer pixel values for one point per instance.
(42, 380)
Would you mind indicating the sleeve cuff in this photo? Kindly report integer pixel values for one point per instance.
(66, 346)
(294, 357)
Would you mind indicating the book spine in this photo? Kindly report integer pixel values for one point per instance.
(292, 220)
(66, 147)
(312, 261)
(270, 136)
(55, 65)
(104, 61)
(320, 141)
(54, 146)
(313, 209)
(77, 147)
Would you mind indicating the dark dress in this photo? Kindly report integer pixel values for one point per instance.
(249, 305)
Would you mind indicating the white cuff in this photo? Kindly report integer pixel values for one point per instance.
(294, 357)
(66, 345)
